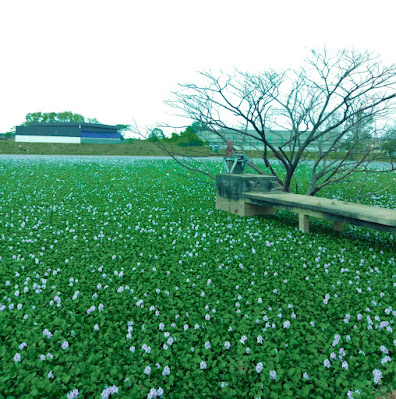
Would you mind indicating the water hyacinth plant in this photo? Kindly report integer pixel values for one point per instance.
(119, 279)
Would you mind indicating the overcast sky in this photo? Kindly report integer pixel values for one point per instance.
(118, 60)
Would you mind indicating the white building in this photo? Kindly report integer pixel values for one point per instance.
(252, 141)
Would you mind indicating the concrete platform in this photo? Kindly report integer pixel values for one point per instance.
(234, 186)
(339, 212)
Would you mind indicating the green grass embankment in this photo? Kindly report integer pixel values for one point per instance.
(136, 148)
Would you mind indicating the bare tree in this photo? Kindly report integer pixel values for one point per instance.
(319, 108)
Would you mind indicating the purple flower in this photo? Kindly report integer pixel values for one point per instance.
(22, 345)
(384, 350)
(65, 345)
(147, 370)
(203, 365)
(109, 391)
(386, 359)
(47, 333)
(17, 358)
(243, 339)
(91, 309)
(350, 394)
(166, 371)
(73, 394)
(152, 393)
(207, 345)
(272, 374)
(326, 363)
(377, 376)
(259, 367)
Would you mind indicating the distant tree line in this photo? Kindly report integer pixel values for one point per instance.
(188, 138)
(57, 117)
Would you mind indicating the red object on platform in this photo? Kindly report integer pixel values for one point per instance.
(230, 148)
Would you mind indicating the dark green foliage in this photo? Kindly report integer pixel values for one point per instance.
(56, 117)
(192, 143)
(388, 141)
(68, 225)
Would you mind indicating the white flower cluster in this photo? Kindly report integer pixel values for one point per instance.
(22, 345)
(350, 393)
(155, 393)
(146, 348)
(109, 391)
(75, 295)
(337, 338)
(91, 309)
(73, 394)
(377, 376)
(47, 333)
(65, 345)
(326, 300)
(243, 339)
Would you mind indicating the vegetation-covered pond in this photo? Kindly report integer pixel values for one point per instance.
(118, 278)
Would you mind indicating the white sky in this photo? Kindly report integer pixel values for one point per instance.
(118, 60)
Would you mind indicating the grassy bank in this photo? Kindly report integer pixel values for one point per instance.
(135, 148)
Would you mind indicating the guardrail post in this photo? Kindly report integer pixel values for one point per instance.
(303, 223)
(338, 226)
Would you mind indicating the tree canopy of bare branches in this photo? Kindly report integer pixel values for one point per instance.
(323, 107)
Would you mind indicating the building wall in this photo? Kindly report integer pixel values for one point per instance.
(276, 138)
(100, 135)
(68, 133)
(46, 139)
(87, 140)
